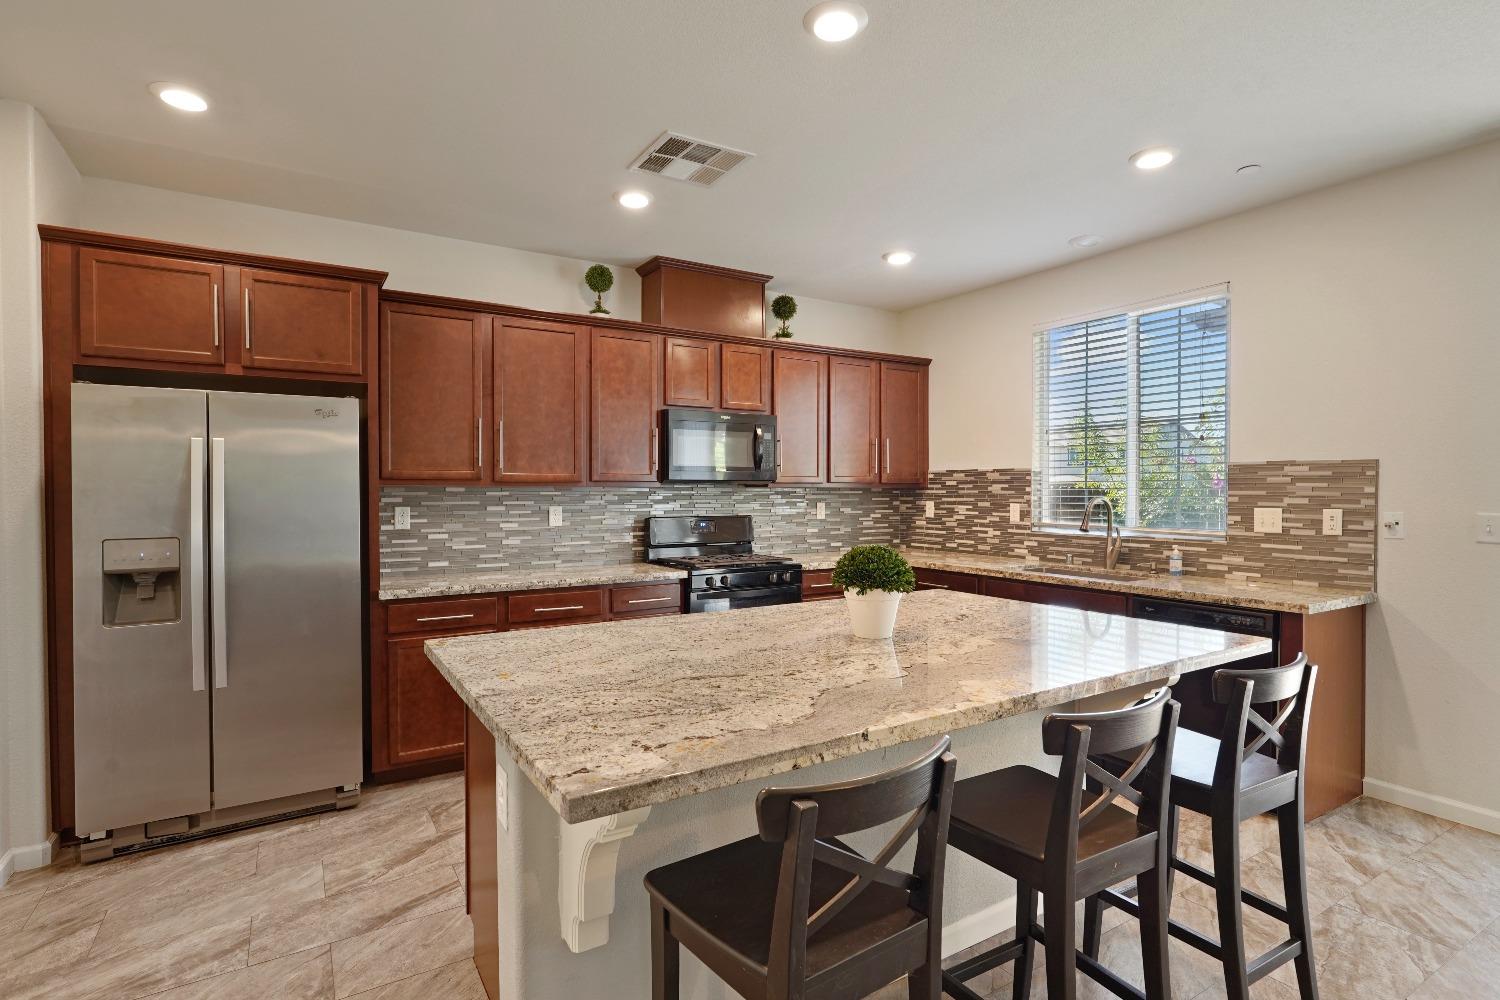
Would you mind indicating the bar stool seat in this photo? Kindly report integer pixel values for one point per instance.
(728, 896)
(1001, 818)
(1194, 760)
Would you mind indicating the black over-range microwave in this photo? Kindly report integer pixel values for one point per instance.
(714, 446)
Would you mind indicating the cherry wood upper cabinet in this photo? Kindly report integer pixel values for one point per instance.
(540, 387)
(746, 379)
(301, 323)
(800, 394)
(903, 424)
(853, 420)
(431, 393)
(147, 308)
(623, 399)
(692, 372)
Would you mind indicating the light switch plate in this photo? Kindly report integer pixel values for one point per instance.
(554, 517)
(930, 507)
(1392, 524)
(1333, 521)
(1015, 513)
(1487, 529)
(822, 510)
(1268, 520)
(403, 518)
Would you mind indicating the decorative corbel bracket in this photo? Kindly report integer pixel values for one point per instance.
(587, 854)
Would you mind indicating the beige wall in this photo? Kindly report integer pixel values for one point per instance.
(1363, 325)
(421, 263)
(37, 184)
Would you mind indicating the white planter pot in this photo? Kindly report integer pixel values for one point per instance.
(873, 615)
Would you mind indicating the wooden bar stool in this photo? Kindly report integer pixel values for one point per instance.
(1230, 780)
(1053, 837)
(797, 913)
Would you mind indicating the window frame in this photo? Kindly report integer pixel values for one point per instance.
(1127, 519)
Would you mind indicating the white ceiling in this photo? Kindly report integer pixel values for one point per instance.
(981, 134)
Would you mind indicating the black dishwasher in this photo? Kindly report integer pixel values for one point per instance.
(1195, 690)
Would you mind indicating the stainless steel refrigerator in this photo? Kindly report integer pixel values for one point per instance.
(216, 607)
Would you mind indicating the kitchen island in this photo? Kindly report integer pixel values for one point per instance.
(598, 752)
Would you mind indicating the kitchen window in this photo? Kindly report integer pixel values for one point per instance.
(1133, 405)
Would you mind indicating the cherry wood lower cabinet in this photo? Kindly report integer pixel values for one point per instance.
(937, 579)
(817, 585)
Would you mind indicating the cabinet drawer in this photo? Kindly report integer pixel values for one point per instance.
(1077, 597)
(649, 598)
(441, 616)
(1010, 590)
(938, 579)
(818, 584)
(555, 606)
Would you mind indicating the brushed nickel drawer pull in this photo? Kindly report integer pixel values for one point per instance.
(445, 618)
(565, 607)
(937, 586)
(649, 600)
(820, 585)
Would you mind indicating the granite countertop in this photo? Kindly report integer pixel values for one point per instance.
(614, 716)
(399, 586)
(1205, 590)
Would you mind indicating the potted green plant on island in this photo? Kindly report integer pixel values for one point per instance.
(783, 307)
(873, 578)
(600, 279)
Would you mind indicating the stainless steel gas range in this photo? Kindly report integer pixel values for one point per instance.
(724, 570)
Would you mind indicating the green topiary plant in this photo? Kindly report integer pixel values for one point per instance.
(783, 307)
(600, 279)
(874, 567)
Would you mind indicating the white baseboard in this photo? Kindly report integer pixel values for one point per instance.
(21, 859)
(966, 932)
(1435, 805)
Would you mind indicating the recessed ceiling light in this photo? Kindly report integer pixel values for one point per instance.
(1249, 168)
(836, 21)
(180, 98)
(898, 258)
(1154, 158)
(633, 200)
(1085, 241)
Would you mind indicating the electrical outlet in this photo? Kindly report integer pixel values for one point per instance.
(1487, 529)
(1392, 524)
(822, 510)
(931, 508)
(1333, 521)
(1268, 520)
(554, 517)
(502, 799)
(1015, 513)
(403, 518)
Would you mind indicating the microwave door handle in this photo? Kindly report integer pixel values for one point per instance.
(760, 447)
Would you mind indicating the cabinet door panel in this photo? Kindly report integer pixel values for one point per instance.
(1010, 590)
(623, 443)
(1078, 597)
(431, 402)
(800, 392)
(541, 401)
(817, 585)
(692, 372)
(136, 306)
(746, 379)
(938, 579)
(903, 424)
(424, 715)
(295, 322)
(853, 420)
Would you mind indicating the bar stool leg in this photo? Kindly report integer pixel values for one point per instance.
(1020, 988)
(1289, 825)
(1155, 897)
(1093, 925)
(1226, 844)
(665, 955)
(1057, 919)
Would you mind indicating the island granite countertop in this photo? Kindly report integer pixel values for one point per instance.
(1268, 596)
(609, 717)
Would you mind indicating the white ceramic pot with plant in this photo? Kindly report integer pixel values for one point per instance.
(873, 578)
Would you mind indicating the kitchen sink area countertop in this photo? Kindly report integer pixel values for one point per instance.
(1271, 596)
(400, 586)
(611, 717)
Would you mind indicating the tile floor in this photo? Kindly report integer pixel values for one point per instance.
(369, 903)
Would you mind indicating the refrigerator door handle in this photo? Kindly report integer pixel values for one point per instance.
(195, 556)
(216, 556)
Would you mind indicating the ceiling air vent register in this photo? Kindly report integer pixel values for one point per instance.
(684, 158)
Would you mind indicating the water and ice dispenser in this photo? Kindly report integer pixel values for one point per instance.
(142, 581)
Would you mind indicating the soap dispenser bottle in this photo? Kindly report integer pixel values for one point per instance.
(1174, 562)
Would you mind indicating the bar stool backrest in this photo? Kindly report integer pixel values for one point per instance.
(1247, 731)
(807, 821)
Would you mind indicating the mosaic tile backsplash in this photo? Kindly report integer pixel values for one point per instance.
(458, 530)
